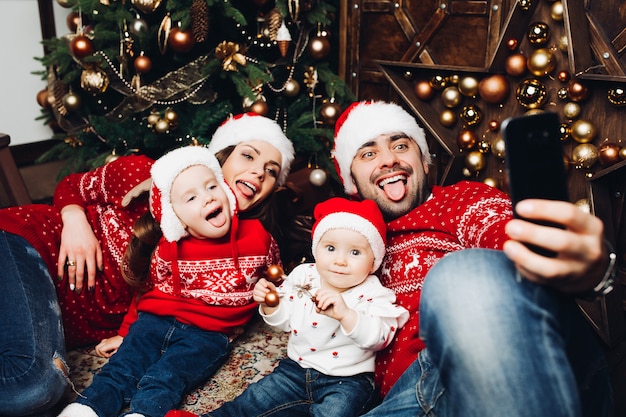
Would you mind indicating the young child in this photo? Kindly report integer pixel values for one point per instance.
(338, 315)
(196, 297)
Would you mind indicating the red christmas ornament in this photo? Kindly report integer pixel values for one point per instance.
(180, 41)
(81, 46)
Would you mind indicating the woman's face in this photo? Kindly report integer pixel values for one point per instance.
(252, 171)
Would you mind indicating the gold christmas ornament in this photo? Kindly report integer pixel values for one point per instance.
(538, 33)
(498, 147)
(563, 76)
(563, 43)
(66, 3)
(142, 64)
(583, 131)
(468, 86)
(228, 53)
(71, 101)
(319, 46)
(492, 182)
(162, 126)
(259, 106)
(571, 110)
(172, 118)
(494, 89)
(451, 97)
(565, 131)
(292, 88)
(471, 114)
(447, 118)
(146, 6)
(556, 11)
(153, 118)
(483, 146)
(330, 112)
(622, 153)
(617, 96)
(94, 80)
(531, 93)
(494, 125)
(541, 62)
(438, 82)
(475, 161)
(584, 155)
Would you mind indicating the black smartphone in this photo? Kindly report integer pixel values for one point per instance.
(534, 161)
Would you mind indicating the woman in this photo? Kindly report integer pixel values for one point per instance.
(81, 239)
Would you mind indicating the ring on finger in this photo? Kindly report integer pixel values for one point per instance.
(70, 263)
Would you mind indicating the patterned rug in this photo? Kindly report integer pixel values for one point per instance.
(255, 354)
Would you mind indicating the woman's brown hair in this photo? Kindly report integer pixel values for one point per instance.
(136, 261)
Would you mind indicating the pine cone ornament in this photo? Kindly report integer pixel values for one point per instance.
(273, 20)
(199, 20)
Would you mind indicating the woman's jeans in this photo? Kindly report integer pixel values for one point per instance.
(499, 345)
(31, 332)
(291, 390)
(159, 361)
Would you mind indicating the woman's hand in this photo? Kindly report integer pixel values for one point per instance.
(581, 259)
(107, 347)
(80, 250)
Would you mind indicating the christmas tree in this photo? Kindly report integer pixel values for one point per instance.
(146, 76)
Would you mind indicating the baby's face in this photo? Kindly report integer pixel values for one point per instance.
(200, 202)
(344, 258)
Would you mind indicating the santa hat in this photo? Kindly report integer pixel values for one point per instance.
(364, 121)
(164, 171)
(361, 216)
(252, 126)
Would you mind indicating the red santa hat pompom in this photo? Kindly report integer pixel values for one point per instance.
(364, 121)
(252, 126)
(361, 216)
(164, 171)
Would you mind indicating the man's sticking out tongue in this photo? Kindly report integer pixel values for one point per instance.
(394, 188)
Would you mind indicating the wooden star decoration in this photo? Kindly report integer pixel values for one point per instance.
(600, 71)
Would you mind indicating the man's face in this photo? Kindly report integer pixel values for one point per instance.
(390, 171)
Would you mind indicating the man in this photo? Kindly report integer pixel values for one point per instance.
(504, 336)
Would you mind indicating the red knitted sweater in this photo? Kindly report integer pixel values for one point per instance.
(88, 317)
(212, 293)
(464, 215)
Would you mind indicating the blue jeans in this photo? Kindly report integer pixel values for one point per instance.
(499, 345)
(159, 361)
(31, 332)
(291, 390)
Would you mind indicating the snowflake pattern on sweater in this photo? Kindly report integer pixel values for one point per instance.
(464, 215)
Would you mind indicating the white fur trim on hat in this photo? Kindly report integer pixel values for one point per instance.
(365, 121)
(165, 170)
(351, 221)
(251, 126)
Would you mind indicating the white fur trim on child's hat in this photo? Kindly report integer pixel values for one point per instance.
(361, 216)
(78, 410)
(164, 171)
(364, 121)
(252, 126)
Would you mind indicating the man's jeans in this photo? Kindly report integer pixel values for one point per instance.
(31, 332)
(291, 390)
(159, 361)
(499, 345)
